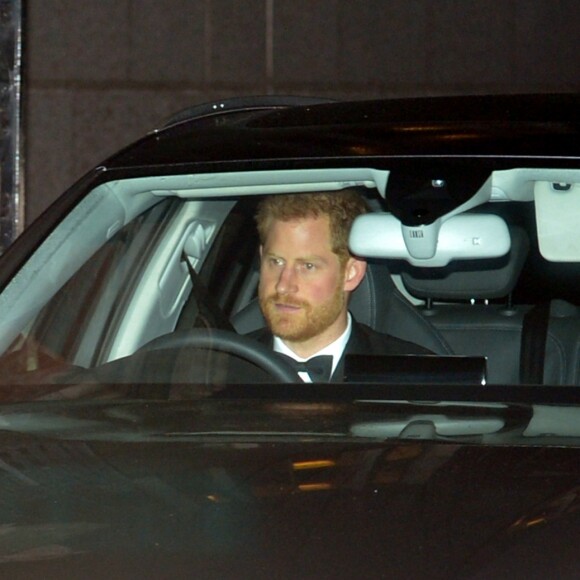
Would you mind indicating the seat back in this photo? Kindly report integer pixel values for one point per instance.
(459, 306)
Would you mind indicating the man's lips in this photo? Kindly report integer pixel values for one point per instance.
(284, 305)
(289, 308)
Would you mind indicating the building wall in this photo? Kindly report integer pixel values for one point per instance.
(100, 73)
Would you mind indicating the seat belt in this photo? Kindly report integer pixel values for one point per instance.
(533, 344)
(205, 302)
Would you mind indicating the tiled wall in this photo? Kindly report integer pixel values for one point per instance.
(99, 73)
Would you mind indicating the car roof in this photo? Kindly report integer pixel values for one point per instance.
(506, 127)
(232, 109)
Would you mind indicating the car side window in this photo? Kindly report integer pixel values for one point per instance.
(72, 327)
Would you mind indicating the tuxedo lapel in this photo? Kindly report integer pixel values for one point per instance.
(357, 343)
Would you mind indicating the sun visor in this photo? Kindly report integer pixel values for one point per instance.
(557, 216)
(460, 237)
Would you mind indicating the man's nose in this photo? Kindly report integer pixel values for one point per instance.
(287, 281)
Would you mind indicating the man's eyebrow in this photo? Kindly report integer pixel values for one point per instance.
(312, 259)
(302, 259)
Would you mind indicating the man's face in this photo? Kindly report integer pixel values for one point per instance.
(303, 287)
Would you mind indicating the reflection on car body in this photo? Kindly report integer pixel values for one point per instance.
(144, 431)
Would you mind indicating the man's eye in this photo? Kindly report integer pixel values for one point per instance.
(309, 266)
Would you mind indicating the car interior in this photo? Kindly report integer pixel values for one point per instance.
(488, 273)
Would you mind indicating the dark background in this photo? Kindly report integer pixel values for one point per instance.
(100, 73)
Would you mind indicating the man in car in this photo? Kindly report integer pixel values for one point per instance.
(306, 277)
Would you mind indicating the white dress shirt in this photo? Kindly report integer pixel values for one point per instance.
(335, 349)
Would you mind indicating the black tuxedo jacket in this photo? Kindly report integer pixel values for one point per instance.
(363, 340)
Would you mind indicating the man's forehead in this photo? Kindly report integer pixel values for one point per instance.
(314, 221)
(305, 238)
(304, 227)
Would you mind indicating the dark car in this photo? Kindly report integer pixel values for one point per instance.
(143, 434)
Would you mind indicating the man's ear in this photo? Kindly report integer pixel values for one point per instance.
(354, 273)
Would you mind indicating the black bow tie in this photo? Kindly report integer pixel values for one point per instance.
(319, 368)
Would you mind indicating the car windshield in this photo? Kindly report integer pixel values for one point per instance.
(154, 280)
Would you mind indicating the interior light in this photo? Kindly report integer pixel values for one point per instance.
(561, 186)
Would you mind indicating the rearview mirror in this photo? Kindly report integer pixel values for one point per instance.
(460, 237)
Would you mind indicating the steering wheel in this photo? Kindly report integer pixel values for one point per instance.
(229, 343)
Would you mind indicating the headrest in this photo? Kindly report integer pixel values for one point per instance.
(369, 301)
(478, 279)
